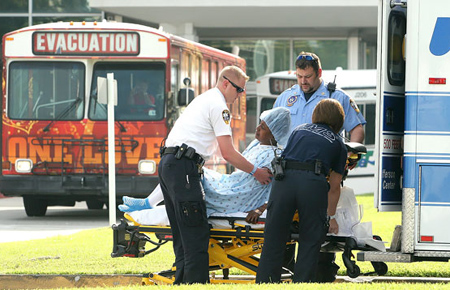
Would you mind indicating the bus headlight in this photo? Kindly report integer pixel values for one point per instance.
(24, 165)
(147, 166)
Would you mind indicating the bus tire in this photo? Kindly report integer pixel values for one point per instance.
(94, 204)
(35, 206)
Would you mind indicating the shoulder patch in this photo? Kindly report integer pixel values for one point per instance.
(291, 100)
(226, 116)
(354, 105)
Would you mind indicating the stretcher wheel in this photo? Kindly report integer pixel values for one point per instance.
(355, 272)
(380, 268)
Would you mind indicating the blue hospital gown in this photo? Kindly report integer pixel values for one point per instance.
(239, 191)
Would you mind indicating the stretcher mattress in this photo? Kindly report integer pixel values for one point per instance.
(158, 217)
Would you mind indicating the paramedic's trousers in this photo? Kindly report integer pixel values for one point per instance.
(186, 209)
(307, 192)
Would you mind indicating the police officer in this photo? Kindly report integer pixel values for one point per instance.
(312, 152)
(302, 98)
(202, 127)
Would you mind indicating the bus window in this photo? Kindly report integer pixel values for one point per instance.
(251, 115)
(266, 104)
(370, 126)
(140, 91)
(46, 90)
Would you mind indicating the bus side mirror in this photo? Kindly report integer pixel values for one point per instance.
(185, 98)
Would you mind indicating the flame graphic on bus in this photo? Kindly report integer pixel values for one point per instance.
(440, 41)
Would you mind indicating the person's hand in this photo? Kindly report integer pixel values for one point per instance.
(334, 227)
(252, 217)
(263, 175)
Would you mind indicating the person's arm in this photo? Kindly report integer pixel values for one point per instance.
(357, 134)
(232, 156)
(333, 198)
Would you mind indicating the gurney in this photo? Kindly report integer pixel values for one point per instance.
(235, 244)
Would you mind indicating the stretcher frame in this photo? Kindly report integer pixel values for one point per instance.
(236, 247)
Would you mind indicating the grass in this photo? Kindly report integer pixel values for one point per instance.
(88, 252)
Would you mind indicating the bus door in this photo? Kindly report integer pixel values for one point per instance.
(391, 107)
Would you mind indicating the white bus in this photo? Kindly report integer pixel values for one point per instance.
(359, 84)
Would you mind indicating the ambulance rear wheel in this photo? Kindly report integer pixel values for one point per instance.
(35, 206)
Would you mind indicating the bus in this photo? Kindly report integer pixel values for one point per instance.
(54, 130)
(360, 85)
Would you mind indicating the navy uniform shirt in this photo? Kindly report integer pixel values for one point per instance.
(309, 142)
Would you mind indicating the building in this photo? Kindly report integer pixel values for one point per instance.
(268, 34)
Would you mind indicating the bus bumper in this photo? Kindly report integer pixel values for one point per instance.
(76, 186)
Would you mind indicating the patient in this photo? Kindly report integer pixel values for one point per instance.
(239, 191)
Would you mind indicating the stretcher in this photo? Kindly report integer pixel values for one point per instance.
(237, 246)
(233, 244)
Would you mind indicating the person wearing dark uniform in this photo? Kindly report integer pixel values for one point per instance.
(313, 152)
(203, 127)
(301, 100)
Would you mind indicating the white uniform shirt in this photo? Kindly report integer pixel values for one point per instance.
(204, 119)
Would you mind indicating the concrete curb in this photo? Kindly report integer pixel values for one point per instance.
(16, 282)
(13, 282)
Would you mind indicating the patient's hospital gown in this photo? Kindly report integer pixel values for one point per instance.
(239, 191)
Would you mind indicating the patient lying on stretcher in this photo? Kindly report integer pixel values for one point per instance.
(227, 194)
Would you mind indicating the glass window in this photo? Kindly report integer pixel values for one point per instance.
(8, 24)
(332, 53)
(62, 6)
(396, 63)
(14, 6)
(251, 114)
(40, 20)
(262, 56)
(46, 90)
(140, 91)
(370, 126)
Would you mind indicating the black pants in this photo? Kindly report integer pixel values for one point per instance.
(308, 193)
(186, 209)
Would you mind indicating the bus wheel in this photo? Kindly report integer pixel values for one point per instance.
(35, 206)
(94, 204)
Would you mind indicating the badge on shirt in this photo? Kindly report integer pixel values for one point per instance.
(226, 116)
(291, 100)
(354, 105)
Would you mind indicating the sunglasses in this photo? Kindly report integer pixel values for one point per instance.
(238, 88)
(306, 57)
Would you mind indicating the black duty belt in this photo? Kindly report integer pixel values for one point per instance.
(315, 167)
(183, 151)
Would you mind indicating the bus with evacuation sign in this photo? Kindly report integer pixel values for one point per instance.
(358, 84)
(54, 130)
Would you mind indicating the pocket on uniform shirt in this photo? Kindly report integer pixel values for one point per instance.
(193, 213)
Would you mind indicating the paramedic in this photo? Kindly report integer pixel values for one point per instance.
(313, 151)
(203, 125)
(301, 98)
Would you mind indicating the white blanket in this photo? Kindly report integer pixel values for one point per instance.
(158, 217)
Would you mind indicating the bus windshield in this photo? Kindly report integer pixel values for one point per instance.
(140, 91)
(46, 90)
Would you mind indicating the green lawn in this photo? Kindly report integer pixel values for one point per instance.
(88, 252)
